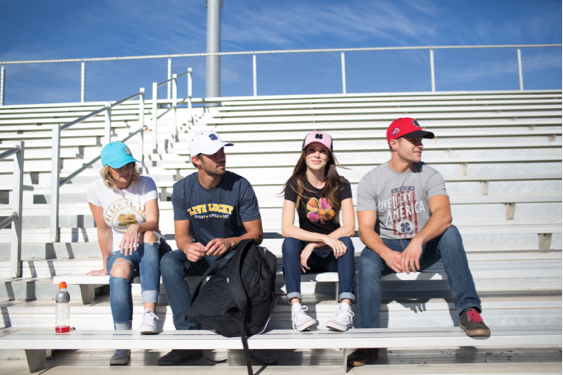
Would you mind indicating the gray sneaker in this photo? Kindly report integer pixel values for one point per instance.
(120, 357)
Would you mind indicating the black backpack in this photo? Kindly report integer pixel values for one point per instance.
(238, 300)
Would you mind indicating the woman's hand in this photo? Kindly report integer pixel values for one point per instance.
(130, 240)
(101, 272)
(305, 254)
(338, 247)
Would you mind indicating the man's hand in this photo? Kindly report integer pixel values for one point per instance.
(218, 246)
(393, 259)
(411, 256)
(194, 251)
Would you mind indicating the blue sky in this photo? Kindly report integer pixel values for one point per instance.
(62, 29)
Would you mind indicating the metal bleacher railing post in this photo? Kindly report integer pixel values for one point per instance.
(16, 218)
(154, 116)
(55, 177)
(2, 75)
(108, 123)
(142, 125)
(190, 116)
(174, 99)
(432, 70)
(254, 86)
(82, 82)
(520, 79)
(343, 72)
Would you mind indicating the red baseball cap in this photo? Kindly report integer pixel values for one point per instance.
(406, 126)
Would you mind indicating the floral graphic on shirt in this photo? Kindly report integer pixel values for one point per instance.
(319, 210)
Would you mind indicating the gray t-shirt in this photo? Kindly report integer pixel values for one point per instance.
(400, 199)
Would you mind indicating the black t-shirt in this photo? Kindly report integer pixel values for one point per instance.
(315, 213)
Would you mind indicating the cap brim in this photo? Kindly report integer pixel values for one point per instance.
(115, 164)
(419, 134)
(216, 147)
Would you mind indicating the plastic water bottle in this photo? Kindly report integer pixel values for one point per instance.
(62, 313)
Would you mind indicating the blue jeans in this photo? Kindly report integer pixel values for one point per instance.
(320, 261)
(175, 266)
(448, 247)
(145, 262)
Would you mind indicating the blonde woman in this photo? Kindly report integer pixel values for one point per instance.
(125, 208)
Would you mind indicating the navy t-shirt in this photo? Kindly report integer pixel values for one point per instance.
(218, 212)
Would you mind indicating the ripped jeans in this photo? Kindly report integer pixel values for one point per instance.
(145, 262)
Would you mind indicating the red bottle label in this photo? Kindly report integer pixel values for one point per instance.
(62, 329)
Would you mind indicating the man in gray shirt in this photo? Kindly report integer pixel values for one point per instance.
(405, 221)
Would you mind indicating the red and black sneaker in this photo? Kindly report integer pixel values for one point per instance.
(472, 323)
(361, 356)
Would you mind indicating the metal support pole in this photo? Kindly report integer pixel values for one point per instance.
(213, 63)
(17, 200)
(169, 75)
(432, 70)
(521, 80)
(343, 72)
(175, 99)
(55, 182)
(254, 84)
(190, 115)
(2, 80)
(154, 116)
(108, 123)
(142, 124)
(82, 82)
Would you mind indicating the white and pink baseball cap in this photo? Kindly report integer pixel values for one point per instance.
(320, 137)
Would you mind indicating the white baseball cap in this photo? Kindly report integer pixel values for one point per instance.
(206, 142)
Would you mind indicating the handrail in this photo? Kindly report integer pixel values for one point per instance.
(174, 105)
(56, 182)
(17, 203)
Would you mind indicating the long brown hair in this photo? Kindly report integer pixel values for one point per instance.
(331, 188)
(110, 182)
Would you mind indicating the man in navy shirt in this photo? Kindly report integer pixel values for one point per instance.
(214, 210)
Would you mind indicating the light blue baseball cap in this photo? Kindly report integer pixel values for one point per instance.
(116, 155)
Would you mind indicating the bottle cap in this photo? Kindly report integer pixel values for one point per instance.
(62, 285)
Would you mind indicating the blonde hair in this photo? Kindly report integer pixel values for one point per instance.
(110, 182)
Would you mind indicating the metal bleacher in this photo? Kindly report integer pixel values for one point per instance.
(499, 151)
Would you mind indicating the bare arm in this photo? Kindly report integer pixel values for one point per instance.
(253, 229)
(440, 220)
(105, 238)
(194, 250)
(368, 235)
(130, 238)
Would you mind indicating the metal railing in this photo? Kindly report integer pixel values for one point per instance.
(56, 182)
(16, 218)
(175, 103)
(292, 72)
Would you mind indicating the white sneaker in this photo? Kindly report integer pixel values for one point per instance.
(342, 319)
(149, 323)
(302, 321)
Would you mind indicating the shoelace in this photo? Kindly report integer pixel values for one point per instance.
(342, 312)
(474, 316)
(298, 315)
(149, 316)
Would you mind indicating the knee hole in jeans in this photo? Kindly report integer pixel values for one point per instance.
(121, 268)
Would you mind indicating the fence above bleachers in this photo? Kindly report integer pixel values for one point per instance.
(290, 72)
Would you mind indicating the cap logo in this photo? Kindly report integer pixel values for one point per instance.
(213, 137)
(127, 151)
(396, 131)
(415, 123)
(318, 136)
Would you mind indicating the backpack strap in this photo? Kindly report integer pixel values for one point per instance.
(235, 286)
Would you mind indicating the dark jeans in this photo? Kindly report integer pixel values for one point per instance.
(174, 267)
(320, 261)
(448, 247)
